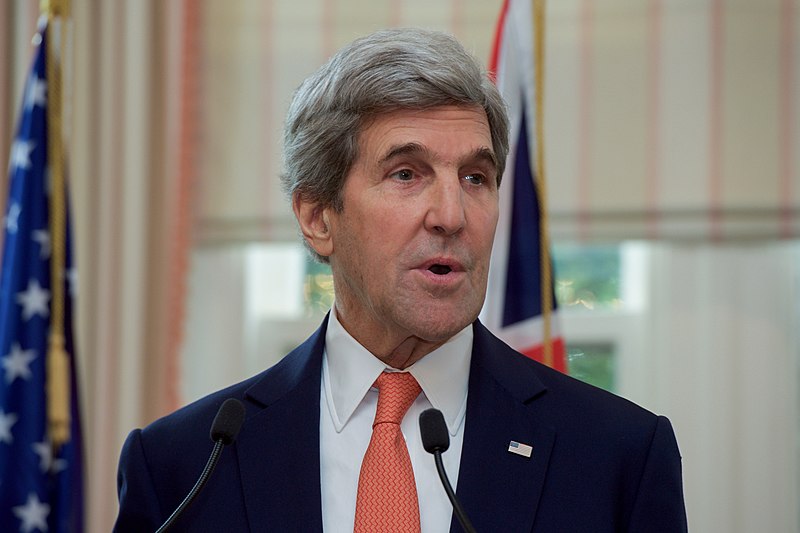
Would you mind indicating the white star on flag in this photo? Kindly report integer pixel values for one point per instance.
(34, 300)
(33, 514)
(47, 463)
(42, 236)
(6, 421)
(36, 93)
(21, 154)
(17, 363)
(12, 218)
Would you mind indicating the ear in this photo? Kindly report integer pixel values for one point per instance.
(314, 224)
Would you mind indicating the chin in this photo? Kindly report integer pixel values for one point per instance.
(445, 326)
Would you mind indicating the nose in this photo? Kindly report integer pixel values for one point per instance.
(446, 214)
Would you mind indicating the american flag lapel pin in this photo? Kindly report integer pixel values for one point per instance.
(520, 449)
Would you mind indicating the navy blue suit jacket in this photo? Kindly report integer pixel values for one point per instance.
(599, 462)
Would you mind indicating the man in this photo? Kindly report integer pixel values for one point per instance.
(394, 152)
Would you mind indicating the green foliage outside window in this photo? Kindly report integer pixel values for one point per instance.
(587, 277)
(588, 280)
(592, 363)
(318, 288)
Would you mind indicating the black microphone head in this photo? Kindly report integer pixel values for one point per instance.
(228, 421)
(433, 430)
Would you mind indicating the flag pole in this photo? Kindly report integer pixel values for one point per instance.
(547, 286)
(58, 371)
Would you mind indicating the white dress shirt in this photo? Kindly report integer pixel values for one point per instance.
(347, 409)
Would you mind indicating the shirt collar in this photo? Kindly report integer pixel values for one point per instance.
(349, 370)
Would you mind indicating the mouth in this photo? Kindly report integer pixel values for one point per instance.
(441, 276)
(440, 270)
(442, 266)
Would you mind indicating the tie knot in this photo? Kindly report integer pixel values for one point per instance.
(396, 392)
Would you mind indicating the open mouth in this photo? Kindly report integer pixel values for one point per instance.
(440, 270)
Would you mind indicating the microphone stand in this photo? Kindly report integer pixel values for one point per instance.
(198, 486)
(457, 509)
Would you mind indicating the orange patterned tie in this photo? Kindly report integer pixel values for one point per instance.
(387, 494)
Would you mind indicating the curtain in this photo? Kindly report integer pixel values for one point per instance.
(720, 356)
(667, 120)
(133, 94)
(674, 120)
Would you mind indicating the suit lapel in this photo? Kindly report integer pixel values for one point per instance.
(284, 493)
(500, 490)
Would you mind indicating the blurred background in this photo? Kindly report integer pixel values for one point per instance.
(672, 156)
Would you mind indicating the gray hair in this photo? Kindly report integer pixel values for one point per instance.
(382, 72)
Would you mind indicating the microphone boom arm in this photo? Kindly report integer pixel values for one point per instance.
(460, 514)
(224, 430)
(198, 486)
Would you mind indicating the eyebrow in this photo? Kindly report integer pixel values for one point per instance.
(411, 148)
(485, 154)
(416, 149)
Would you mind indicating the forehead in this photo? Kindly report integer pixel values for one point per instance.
(447, 131)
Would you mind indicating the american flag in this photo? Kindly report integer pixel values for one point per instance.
(515, 302)
(41, 489)
(518, 448)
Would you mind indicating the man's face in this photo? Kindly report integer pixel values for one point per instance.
(410, 249)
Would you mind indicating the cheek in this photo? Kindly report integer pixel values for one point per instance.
(486, 224)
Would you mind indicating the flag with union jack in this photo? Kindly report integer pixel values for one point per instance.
(41, 485)
(516, 309)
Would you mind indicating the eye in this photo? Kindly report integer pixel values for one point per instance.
(475, 179)
(403, 175)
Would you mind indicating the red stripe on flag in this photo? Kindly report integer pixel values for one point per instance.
(498, 39)
(559, 349)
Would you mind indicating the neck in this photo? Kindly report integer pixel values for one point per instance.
(397, 350)
(406, 353)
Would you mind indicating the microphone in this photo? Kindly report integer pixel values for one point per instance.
(223, 432)
(436, 440)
